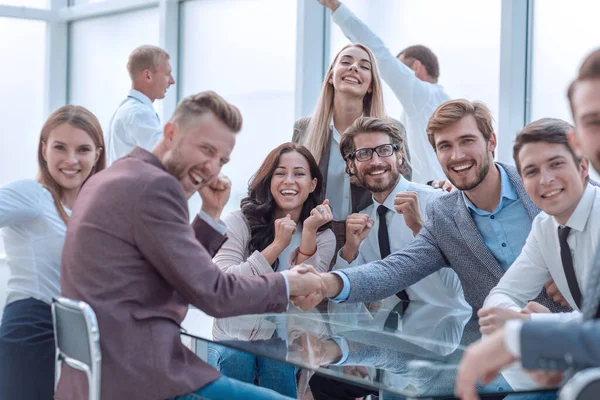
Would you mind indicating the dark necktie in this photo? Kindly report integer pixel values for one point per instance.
(384, 249)
(567, 262)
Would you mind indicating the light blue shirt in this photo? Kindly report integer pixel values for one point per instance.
(504, 230)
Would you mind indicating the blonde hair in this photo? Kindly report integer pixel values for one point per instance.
(78, 117)
(145, 57)
(204, 102)
(452, 111)
(316, 137)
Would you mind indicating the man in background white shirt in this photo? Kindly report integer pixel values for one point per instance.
(562, 242)
(135, 123)
(412, 76)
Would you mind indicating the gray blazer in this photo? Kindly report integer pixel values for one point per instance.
(449, 239)
(360, 197)
(573, 346)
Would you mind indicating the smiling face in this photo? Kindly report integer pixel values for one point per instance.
(464, 154)
(379, 174)
(198, 149)
(586, 114)
(291, 182)
(553, 178)
(352, 72)
(70, 155)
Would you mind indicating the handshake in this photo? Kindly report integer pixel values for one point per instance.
(309, 287)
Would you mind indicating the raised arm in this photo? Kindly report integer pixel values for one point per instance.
(413, 93)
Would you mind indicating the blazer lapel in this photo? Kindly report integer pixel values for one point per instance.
(515, 179)
(324, 163)
(467, 228)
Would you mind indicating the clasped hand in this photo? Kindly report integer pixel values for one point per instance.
(306, 286)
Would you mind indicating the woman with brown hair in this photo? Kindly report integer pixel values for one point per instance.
(33, 217)
(352, 88)
(284, 221)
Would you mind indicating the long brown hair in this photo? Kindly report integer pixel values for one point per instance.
(78, 117)
(317, 130)
(259, 206)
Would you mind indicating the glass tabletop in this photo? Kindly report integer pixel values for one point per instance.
(409, 349)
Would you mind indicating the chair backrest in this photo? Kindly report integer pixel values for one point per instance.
(77, 341)
(584, 385)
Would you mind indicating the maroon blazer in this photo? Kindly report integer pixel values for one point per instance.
(128, 251)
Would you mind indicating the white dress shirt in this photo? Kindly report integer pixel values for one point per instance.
(419, 99)
(34, 235)
(338, 181)
(540, 259)
(135, 123)
(441, 288)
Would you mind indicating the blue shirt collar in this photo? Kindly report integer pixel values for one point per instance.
(140, 96)
(507, 191)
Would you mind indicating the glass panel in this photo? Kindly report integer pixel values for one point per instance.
(464, 34)
(23, 85)
(22, 110)
(99, 49)
(250, 64)
(26, 3)
(558, 53)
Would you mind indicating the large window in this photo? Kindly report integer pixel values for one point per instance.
(464, 34)
(99, 49)
(22, 100)
(564, 33)
(245, 51)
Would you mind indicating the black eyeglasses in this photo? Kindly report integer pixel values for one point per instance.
(384, 150)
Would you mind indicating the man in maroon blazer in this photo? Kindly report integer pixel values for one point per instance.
(131, 254)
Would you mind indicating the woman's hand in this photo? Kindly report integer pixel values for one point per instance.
(284, 229)
(319, 216)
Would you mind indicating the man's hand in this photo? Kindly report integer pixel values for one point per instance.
(555, 294)
(331, 4)
(333, 284)
(309, 349)
(358, 227)
(535, 308)
(483, 360)
(546, 378)
(494, 318)
(445, 185)
(215, 195)
(306, 286)
(407, 204)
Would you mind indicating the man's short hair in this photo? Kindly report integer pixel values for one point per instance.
(546, 130)
(425, 56)
(452, 111)
(395, 132)
(145, 57)
(590, 69)
(204, 102)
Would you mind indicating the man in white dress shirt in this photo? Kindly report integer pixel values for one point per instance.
(412, 76)
(135, 123)
(372, 149)
(562, 242)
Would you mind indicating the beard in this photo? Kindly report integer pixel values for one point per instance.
(383, 186)
(481, 174)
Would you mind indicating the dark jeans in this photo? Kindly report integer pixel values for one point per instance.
(27, 351)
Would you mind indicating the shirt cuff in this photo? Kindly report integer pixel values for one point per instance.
(219, 226)
(343, 343)
(512, 337)
(287, 286)
(345, 293)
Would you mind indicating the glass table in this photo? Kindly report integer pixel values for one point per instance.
(400, 351)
